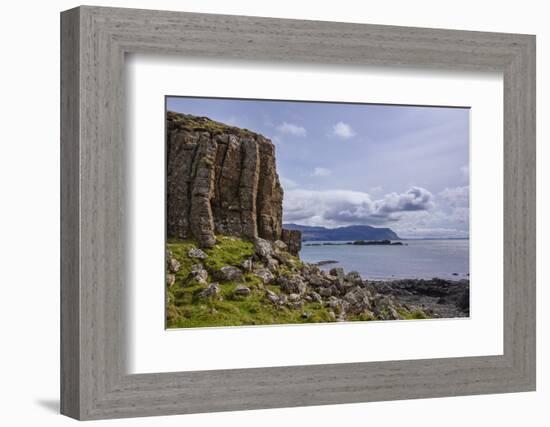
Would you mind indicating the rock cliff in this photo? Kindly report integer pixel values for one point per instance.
(221, 180)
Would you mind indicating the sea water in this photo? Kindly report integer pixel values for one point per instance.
(415, 259)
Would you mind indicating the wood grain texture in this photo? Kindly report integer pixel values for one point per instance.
(94, 235)
(70, 258)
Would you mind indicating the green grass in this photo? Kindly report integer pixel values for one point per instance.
(204, 124)
(228, 251)
(413, 315)
(185, 309)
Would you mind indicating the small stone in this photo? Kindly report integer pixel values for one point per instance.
(332, 315)
(199, 274)
(174, 265)
(212, 290)
(306, 315)
(325, 292)
(242, 290)
(197, 253)
(295, 304)
(272, 296)
(170, 279)
(294, 297)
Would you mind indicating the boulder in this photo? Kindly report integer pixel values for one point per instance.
(229, 273)
(279, 245)
(339, 276)
(317, 280)
(247, 264)
(295, 304)
(263, 248)
(358, 300)
(211, 291)
(291, 284)
(294, 297)
(272, 265)
(315, 297)
(199, 274)
(242, 290)
(354, 278)
(264, 274)
(325, 292)
(293, 240)
(272, 296)
(197, 253)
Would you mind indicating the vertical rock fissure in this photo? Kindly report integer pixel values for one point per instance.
(218, 192)
(224, 180)
(189, 190)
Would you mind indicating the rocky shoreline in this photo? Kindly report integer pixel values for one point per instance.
(439, 298)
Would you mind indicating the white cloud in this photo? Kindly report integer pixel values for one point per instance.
(287, 183)
(343, 207)
(433, 223)
(414, 199)
(292, 129)
(343, 130)
(456, 196)
(321, 172)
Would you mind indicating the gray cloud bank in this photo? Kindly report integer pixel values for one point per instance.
(415, 212)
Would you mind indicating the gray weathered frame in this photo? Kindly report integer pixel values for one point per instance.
(94, 41)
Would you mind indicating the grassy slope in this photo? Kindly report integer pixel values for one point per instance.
(185, 309)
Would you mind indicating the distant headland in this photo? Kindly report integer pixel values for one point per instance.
(349, 233)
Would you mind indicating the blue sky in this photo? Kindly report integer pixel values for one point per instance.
(402, 167)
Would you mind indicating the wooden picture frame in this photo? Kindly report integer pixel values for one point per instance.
(94, 382)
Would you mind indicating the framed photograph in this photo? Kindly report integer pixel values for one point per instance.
(262, 213)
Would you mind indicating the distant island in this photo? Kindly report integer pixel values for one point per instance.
(349, 233)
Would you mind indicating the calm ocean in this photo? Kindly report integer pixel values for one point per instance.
(420, 259)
